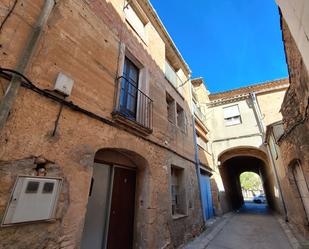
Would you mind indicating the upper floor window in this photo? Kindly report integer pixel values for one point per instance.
(170, 74)
(136, 18)
(181, 119)
(232, 115)
(170, 102)
(129, 88)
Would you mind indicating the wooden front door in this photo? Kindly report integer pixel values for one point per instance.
(121, 220)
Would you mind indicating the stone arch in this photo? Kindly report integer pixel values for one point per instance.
(237, 160)
(120, 159)
(242, 151)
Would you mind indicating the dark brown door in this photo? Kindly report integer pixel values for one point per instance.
(121, 221)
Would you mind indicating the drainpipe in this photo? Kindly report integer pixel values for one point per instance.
(197, 164)
(258, 113)
(278, 183)
(14, 85)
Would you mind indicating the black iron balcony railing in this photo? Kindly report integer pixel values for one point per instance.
(132, 106)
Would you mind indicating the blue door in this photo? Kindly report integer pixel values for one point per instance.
(206, 196)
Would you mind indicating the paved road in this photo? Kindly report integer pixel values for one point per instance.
(253, 227)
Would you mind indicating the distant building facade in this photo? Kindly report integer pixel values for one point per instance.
(237, 120)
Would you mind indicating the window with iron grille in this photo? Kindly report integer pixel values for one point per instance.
(178, 191)
(170, 105)
(181, 118)
(129, 89)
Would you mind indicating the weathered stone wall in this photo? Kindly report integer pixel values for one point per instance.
(82, 39)
(43, 233)
(294, 145)
(295, 13)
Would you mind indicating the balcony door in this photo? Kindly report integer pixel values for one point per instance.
(129, 89)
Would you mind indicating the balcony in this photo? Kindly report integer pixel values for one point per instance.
(194, 94)
(199, 113)
(133, 108)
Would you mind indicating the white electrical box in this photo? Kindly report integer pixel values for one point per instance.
(64, 84)
(33, 199)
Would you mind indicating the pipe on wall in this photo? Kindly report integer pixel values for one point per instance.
(258, 113)
(197, 164)
(15, 83)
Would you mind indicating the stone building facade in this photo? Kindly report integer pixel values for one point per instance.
(237, 120)
(113, 135)
(289, 141)
(204, 157)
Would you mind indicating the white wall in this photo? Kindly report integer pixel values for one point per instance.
(248, 124)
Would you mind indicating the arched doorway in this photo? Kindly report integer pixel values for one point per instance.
(117, 182)
(299, 187)
(236, 161)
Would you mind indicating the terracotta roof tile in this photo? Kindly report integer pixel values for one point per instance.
(248, 89)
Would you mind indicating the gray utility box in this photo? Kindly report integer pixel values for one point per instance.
(33, 199)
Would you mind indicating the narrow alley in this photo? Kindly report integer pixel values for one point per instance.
(111, 139)
(253, 227)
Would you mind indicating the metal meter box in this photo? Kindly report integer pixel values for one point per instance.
(33, 199)
(64, 84)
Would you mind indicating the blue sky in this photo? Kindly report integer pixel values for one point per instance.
(230, 43)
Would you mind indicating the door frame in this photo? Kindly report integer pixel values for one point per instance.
(109, 198)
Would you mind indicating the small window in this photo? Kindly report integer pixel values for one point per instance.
(170, 74)
(129, 89)
(178, 191)
(171, 109)
(135, 19)
(232, 115)
(181, 122)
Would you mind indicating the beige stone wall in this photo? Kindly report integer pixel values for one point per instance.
(248, 135)
(83, 40)
(270, 104)
(201, 96)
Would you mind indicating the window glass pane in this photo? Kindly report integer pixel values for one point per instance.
(170, 74)
(134, 21)
(232, 121)
(231, 111)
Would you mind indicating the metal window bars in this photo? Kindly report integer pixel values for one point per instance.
(132, 103)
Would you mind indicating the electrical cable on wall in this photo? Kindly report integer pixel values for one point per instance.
(8, 74)
(8, 15)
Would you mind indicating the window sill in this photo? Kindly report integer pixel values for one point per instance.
(131, 123)
(183, 130)
(179, 216)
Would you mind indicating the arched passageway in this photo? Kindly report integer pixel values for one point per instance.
(234, 163)
(118, 182)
